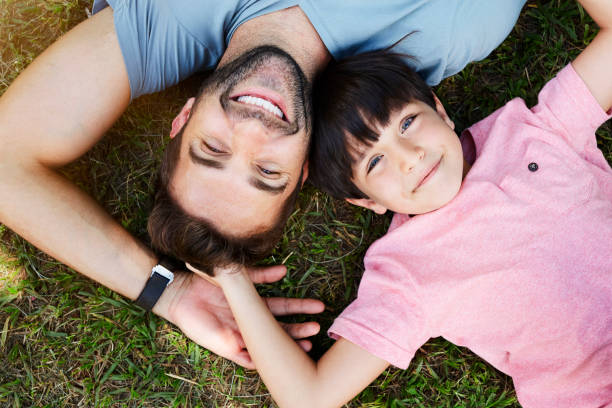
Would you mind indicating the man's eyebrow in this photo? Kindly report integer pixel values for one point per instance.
(255, 182)
(204, 162)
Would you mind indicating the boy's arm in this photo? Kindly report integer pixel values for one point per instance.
(594, 64)
(294, 380)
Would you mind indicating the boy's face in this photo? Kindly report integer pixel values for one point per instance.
(416, 165)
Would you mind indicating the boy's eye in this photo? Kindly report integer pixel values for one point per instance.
(373, 163)
(406, 122)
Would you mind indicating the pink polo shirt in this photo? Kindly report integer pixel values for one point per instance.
(518, 266)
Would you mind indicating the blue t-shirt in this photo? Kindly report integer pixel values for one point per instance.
(165, 41)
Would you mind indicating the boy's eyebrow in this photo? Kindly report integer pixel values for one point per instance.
(358, 153)
(360, 156)
(357, 148)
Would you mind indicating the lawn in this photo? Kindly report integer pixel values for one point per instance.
(66, 341)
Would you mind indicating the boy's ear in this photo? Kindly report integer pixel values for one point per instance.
(369, 204)
(180, 119)
(442, 112)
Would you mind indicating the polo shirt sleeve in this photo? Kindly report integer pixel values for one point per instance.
(386, 319)
(157, 49)
(566, 105)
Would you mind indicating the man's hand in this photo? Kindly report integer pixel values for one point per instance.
(200, 310)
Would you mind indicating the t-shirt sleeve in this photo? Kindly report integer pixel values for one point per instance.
(566, 105)
(478, 27)
(157, 49)
(386, 318)
(443, 36)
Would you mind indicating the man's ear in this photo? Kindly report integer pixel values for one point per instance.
(180, 119)
(369, 204)
(304, 172)
(442, 112)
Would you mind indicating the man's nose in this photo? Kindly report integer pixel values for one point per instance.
(409, 157)
(250, 135)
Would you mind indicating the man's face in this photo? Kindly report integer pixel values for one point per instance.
(245, 143)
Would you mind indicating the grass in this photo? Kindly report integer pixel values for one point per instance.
(66, 341)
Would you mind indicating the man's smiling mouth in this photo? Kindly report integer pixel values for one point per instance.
(262, 103)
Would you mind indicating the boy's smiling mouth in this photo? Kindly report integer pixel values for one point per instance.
(428, 174)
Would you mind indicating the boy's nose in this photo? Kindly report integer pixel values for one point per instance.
(406, 167)
(410, 158)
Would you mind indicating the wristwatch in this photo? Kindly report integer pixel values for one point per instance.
(162, 275)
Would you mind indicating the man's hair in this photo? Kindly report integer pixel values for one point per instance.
(351, 98)
(197, 241)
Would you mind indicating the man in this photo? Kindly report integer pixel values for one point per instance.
(240, 156)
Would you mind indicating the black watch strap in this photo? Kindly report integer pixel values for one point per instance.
(154, 288)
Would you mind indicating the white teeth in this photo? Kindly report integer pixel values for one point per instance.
(267, 105)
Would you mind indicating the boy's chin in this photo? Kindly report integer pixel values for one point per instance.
(425, 208)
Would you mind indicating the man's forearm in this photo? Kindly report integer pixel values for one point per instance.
(56, 216)
(57, 108)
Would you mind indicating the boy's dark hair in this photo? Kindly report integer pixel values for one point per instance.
(351, 98)
(197, 241)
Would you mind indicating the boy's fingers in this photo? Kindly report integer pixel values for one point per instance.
(267, 274)
(289, 306)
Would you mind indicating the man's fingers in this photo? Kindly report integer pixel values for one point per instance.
(301, 330)
(267, 274)
(242, 358)
(289, 306)
(305, 345)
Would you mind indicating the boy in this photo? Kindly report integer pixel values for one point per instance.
(508, 253)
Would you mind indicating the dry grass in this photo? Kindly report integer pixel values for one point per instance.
(65, 341)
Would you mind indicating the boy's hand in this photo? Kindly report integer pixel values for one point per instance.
(200, 310)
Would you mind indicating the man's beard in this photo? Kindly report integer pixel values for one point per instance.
(224, 80)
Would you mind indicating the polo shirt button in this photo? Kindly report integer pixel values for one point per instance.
(533, 166)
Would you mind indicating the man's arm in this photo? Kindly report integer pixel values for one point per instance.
(55, 111)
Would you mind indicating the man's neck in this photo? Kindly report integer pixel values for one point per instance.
(288, 29)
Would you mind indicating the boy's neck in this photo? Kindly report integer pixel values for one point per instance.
(466, 168)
